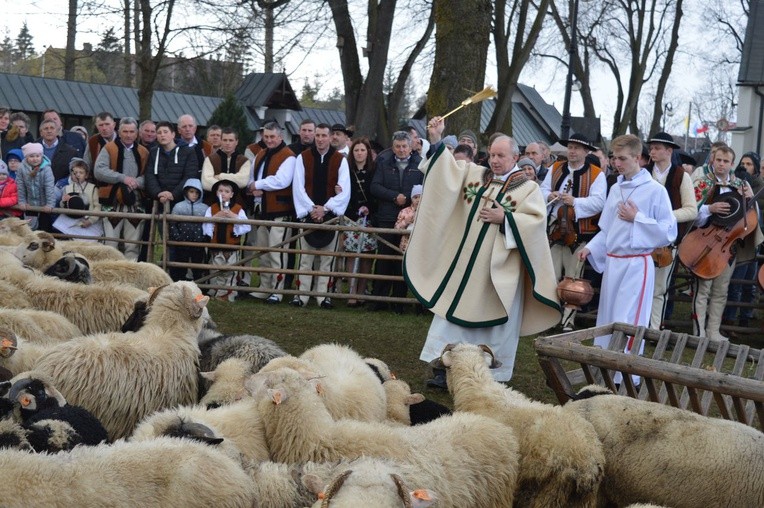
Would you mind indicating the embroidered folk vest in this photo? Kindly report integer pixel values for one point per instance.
(276, 203)
(223, 233)
(333, 170)
(582, 183)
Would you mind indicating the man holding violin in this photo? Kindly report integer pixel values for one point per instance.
(710, 294)
(681, 193)
(575, 193)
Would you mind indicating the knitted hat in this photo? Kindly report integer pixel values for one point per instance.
(450, 141)
(416, 190)
(466, 133)
(3, 168)
(16, 153)
(31, 148)
(525, 161)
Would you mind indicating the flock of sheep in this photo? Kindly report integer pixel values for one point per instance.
(116, 389)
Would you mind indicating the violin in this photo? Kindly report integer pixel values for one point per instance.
(707, 251)
(564, 231)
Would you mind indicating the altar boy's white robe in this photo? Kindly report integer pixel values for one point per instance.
(621, 250)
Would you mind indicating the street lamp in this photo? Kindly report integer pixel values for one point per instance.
(572, 49)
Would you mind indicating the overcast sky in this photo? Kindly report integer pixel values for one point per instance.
(47, 22)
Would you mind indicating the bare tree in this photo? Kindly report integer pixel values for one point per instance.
(523, 24)
(668, 63)
(71, 35)
(461, 52)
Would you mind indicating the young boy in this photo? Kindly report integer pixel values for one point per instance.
(36, 187)
(710, 296)
(13, 158)
(637, 219)
(230, 234)
(78, 193)
(188, 231)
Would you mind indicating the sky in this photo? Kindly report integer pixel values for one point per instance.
(47, 22)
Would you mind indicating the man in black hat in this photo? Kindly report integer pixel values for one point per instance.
(575, 192)
(317, 173)
(682, 194)
(341, 138)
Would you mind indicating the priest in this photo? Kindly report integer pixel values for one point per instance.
(478, 257)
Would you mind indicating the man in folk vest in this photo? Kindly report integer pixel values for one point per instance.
(575, 193)
(318, 172)
(105, 124)
(214, 137)
(682, 194)
(306, 138)
(255, 147)
(270, 192)
(187, 131)
(226, 163)
(119, 169)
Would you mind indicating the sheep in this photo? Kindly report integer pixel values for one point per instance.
(92, 308)
(216, 347)
(122, 377)
(43, 253)
(561, 459)
(476, 457)
(227, 382)
(161, 472)
(351, 388)
(239, 423)
(71, 267)
(13, 231)
(669, 456)
(39, 326)
(64, 426)
(93, 251)
(280, 485)
(399, 399)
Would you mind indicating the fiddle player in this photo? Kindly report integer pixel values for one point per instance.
(575, 193)
(636, 219)
(681, 193)
(710, 295)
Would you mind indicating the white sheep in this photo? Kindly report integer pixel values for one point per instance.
(123, 377)
(399, 400)
(475, 456)
(13, 231)
(668, 456)
(227, 382)
(92, 251)
(92, 308)
(561, 459)
(350, 388)
(239, 423)
(42, 252)
(39, 326)
(161, 472)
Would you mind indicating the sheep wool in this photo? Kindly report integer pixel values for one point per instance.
(561, 459)
(227, 382)
(399, 400)
(13, 231)
(123, 377)
(161, 472)
(668, 456)
(475, 456)
(216, 347)
(238, 423)
(91, 308)
(137, 274)
(38, 326)
(93, 251)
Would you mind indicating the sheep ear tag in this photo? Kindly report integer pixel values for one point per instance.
(422, 498)
(277, 395)
(25, 400)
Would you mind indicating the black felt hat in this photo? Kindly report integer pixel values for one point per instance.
(665, 138)
(580, 139)
(342, 128)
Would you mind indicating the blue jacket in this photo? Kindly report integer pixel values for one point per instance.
(189, 231)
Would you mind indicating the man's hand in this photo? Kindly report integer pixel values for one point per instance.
(131, 182)
(720, 207)
(317, 213)
(627, 211)
(747, 191)
(583, 254)
(435, 128)
(552, 196)
(400, 200)
(65, 198)
(165, 196)
(363, 211)
(337, 189)
(493, 214)
(567, 199)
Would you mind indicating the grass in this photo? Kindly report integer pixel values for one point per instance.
(395, 339)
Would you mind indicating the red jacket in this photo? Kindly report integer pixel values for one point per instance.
(9, 197)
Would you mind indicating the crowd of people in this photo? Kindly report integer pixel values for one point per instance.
(327, 173)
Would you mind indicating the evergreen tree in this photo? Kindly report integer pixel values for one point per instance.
(7, 54)
(24, 43)
(229, 113)
(110, 43)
